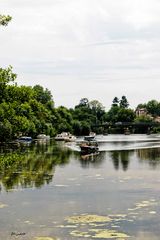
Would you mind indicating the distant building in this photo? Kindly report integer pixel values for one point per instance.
(141, 112)
(157, 119)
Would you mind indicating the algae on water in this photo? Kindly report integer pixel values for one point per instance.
(2, 205)
(108, 234)
(88, 219)
(100, 233)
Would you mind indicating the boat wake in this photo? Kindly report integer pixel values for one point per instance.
(121, 142)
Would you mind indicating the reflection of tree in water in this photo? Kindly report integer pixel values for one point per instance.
(94, 159)
(121, 158)
(31, 166)
(152, 155)
(115, 158)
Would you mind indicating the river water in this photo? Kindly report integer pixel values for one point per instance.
(51, 191)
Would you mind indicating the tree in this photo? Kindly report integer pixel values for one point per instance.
(4, 20)
(77, 127)
(143, 119)
(95, 105)
(5, 130)
(6, 77)
(42, 95)
(153, 108)
(141, 105)
(119, 114)
(83, 103)
(115, 102)
(125, 115)
(111, 115)
(124, 102)
(85, 128)
(97, 110)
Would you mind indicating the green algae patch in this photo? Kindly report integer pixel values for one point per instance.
(108, 234)
(77, 233)
(2, 205)
(100, 233)
(88, 219)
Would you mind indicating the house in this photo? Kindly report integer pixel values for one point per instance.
(141, 112)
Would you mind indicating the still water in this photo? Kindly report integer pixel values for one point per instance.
(50, 191)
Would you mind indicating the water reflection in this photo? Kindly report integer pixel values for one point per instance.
(31, 167)
(120, 185)
(152, 156)
(34, 165)
(94, 159)
(121, 158)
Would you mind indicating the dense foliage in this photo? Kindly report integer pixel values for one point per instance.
(23, 110)
(26, 110)
(30, 167)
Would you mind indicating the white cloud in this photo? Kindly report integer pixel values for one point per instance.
(111, 46)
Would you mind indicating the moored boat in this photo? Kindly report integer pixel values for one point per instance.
(90, 137)
(65, 136)
(24, 139)
(43, 137)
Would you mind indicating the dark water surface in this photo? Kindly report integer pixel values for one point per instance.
(51, 191)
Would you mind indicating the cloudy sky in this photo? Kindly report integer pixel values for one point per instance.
(97, 49)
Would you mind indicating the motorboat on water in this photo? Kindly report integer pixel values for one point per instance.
(90, 137)
(43, 137)
(65, 136)
(89, 147)
(24, 139)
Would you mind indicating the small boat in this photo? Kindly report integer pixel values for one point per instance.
(65, 136)
(43, 137)
(89, 147)
(90, 137)
(127, 132)
(24, 139)
(71, 138)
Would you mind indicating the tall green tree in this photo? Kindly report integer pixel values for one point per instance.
(6, 77)
(83, 102)
(42, 95)
(124, 102)
(153, 108)
(98, 110)
(115, 102)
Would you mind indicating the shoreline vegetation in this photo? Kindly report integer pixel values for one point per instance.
(29, 111)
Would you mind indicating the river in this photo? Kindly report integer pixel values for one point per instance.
(52, 192)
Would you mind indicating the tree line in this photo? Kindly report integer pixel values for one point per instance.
(26, 110)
